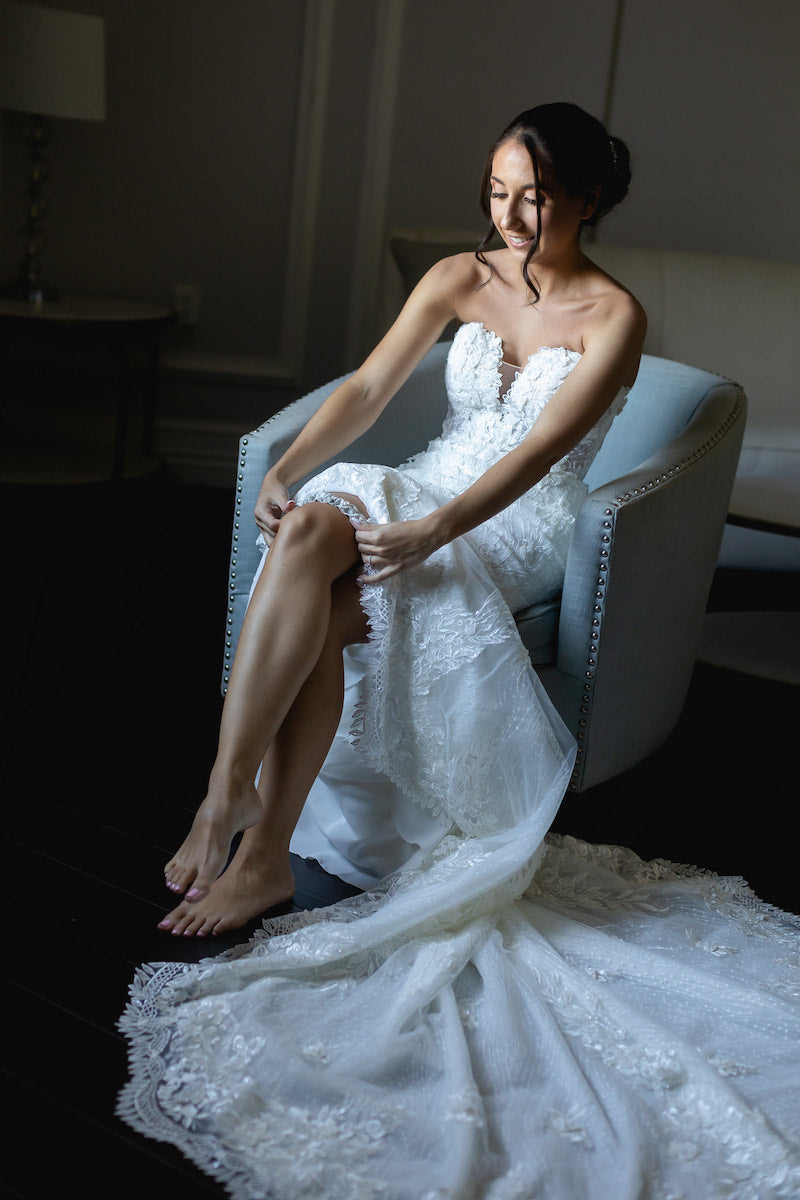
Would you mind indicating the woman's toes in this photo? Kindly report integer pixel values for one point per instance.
(195, 927)
(176, 921)
(207, 927)
(178, 879)
(172, 877)
(186, 922)
(168, 923)
(199, 890)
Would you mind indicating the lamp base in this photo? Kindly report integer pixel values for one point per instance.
(29, 287)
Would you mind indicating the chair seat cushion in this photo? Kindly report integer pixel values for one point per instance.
(538, 628)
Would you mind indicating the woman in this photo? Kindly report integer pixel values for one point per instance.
(472, 1027)
(572, 306)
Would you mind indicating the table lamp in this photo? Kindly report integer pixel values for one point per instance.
(52, 64)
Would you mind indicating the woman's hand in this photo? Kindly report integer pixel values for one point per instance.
(393, 547)
(273, 502)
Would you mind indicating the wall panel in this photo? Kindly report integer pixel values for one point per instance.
(707, 92)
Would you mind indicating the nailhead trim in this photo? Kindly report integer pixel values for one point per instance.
(244, 444)
(603, 553)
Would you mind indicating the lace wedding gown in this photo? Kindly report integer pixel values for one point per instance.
(506, 1015)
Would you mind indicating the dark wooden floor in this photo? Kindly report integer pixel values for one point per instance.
(113, 618)
(113, 621)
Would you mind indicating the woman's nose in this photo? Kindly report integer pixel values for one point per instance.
(510, 217)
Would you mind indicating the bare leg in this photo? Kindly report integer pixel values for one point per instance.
(259, 875)
(283, 635)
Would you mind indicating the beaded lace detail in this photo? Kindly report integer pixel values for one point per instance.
(512, 1015)
(524, 547)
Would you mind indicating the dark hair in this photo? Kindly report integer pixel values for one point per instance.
(569, 147)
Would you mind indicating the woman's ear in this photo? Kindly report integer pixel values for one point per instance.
(590, 202)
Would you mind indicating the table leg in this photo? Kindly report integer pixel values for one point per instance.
(150, 399)
(123, 413)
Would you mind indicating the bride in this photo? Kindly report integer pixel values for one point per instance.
(503, 1015)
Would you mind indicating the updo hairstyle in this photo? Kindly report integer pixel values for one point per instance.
(569, 147)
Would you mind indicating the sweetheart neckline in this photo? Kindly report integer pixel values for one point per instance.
(496, 343)
(496, 336)
(576, 354)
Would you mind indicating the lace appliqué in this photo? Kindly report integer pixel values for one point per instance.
(474, 373)
(349, 509)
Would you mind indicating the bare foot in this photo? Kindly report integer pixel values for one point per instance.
(244, 891)
(204, 853)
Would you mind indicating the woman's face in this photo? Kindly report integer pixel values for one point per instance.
(513, 207)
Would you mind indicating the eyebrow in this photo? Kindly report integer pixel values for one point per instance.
(529, 187)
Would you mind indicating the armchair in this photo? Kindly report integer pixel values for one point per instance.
(616, 650)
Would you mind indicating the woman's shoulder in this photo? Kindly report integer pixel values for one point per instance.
(450, 281)
(613, 298)
(458, 270)
(616, 321)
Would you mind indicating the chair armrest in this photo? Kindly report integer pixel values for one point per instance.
(639, 570)
(258, 451)
(406, 425)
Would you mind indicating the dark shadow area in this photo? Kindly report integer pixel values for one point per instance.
(114, 614)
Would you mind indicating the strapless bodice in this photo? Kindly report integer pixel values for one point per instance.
(485, 419)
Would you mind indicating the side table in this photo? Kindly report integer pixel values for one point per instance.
(122, 329)
(762, 644)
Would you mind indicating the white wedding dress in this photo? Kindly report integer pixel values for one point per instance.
(506, 1015)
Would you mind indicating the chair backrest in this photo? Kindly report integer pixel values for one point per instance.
(640, 565)
(660, 405)
(405, 426)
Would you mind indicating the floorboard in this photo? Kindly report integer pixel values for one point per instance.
(84, 1158)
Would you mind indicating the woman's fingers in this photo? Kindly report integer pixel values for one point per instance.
(388, 549)
(368, 539)
(379, 576)
(376, 568)
(366, 544)
(268, 516)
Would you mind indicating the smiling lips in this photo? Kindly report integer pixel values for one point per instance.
(518, 242)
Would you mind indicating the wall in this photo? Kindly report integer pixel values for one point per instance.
(260, 149)
(707, 94)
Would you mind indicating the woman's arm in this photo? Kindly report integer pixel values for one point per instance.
(612, 349)
(357, 403)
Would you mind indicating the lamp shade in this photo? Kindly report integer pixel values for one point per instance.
(52, 62)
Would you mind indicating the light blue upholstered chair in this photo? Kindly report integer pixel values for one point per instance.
(616, 650)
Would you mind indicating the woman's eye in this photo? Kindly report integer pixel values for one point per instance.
(497, 195)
